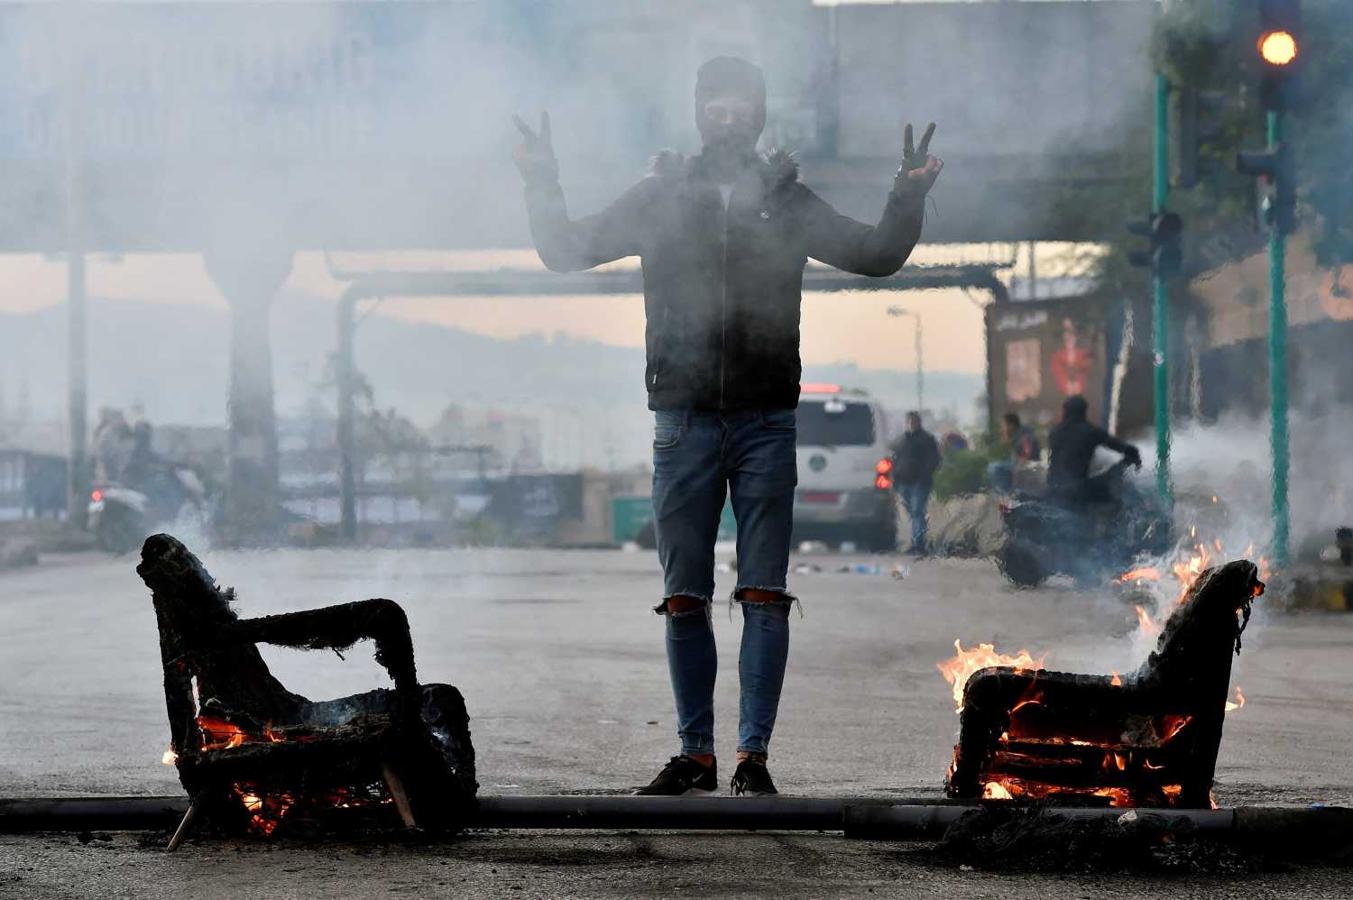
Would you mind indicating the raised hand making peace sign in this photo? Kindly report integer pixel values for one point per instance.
(534, 156)
(919, 169)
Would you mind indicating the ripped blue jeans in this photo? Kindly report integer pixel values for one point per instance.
(698, 459)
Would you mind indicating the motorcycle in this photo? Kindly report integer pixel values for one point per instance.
(1092, 539)
(121, 516)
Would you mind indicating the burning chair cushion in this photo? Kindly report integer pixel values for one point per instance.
(252, 754)
(1150, 739)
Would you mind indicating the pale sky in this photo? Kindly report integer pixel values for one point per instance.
(836, 327)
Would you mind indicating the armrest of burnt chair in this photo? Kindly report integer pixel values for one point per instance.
(338, 628)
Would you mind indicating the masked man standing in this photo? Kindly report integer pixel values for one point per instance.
(723, 237)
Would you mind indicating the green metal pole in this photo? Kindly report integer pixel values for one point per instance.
(1160, 313)
(1277, 361)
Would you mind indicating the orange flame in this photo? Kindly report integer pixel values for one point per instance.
(1187, 571)
(1171, 726)
(959, 668)
(265, 809)
(1117, 796)
(1146, 623)
(994, 790)
(169, 757)
(1117, 680)
(1146, 573)
(1238, 703)
(218, 734)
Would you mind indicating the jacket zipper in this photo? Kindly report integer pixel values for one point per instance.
(662, 339)
(723, 304)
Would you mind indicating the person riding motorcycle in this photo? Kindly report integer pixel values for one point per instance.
(1073, 443)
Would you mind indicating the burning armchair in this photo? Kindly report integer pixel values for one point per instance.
(251, 754)
(1150, 739)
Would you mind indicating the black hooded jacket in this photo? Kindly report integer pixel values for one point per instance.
(722, 288)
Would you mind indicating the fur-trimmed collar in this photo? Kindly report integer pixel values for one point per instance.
(777, 167)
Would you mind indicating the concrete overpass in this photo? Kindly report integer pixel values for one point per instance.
(353, 125)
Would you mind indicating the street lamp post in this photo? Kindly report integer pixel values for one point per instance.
(1160, 297)
(920, 362)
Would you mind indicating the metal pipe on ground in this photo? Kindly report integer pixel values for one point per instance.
(90, 813)
(1300, 831)
(619, 812)
(678, 813)
(928, 823)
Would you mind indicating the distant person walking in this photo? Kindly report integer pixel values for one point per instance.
(916, 456)
(723, 237)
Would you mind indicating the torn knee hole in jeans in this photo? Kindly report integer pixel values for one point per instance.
(701, 604)
(782, 598)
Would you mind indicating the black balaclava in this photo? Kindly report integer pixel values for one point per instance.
(723, 75)
(1074, 409)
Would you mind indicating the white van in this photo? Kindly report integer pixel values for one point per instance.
(845, 483)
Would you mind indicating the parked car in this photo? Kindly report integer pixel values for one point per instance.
(845, 486)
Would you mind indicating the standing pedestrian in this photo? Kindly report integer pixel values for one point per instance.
(724, 237)
(916, 456)
(1024, 450)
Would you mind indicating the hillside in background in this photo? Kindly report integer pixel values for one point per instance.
(172, 361)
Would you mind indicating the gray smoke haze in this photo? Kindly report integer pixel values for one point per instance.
(369, 125)
(256, 131)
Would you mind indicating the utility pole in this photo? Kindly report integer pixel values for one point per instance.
(77, 341)
(920, 360)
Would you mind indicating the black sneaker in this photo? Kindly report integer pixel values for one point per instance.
(681, 777)
(752, 779)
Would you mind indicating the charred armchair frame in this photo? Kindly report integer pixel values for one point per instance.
(1150, 739)
(250, 753)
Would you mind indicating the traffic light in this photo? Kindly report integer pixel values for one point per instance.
(1277, 176)
(1279, 48)
(1165, 235)
(1198, 125)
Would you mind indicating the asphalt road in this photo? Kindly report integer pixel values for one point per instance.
(560, 659)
